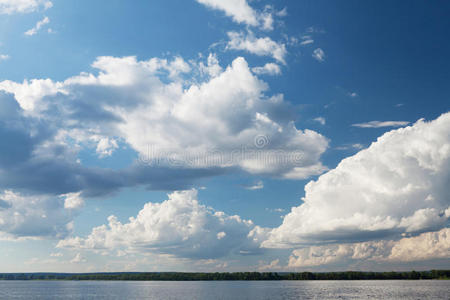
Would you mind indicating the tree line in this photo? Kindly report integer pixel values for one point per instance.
(180, 276)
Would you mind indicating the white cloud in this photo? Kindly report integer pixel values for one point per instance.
(352, 94)
(320, 120)
(38, 26)
(319, 54)
(426, 246)
(356, 146)
(179, 226)
(269, 69)
(430, 245)
(397, 185)
(56, 254)
(277, 210)
(105, 146)
(177, 123)
(306, 40)
(241, 12)
(379, 124)
(4, 57)
(259, 46)
(33, 216)
(23, 6)
(73, 200)
(30, 94)
(78, 258)
(273, 265)
(257, 186)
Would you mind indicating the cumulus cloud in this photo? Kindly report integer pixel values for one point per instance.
(181, 128)
(23, 6)
(379, 124)
(241, 12)
(4, 57)
(426, 246)
(23, 216)
(399, 184)
(264, 46)
(269, 69)
(319, 55)
(73, 200)
(179, 226)
(38, 26)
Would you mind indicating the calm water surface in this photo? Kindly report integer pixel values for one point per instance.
(389, 289)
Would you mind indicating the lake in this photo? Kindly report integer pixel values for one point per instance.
(386, 289)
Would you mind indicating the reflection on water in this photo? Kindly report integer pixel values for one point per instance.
(387, 289)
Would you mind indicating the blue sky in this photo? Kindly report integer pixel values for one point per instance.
(224, 135)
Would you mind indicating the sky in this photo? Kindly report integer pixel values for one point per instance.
(224, 135)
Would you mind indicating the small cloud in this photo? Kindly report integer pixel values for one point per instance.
(73, 200)
(263, 46)
(379, 124)
(257, 186)
(314, 29)
(306, 42)
(281, 13)
(23, 6)
(56, 254)
(105, 146)
(352, 94)
(4, 57)
(320, 120)
(78, 259)
(319, 55)
(275, 210)
(38, 26)
(221, 235)
(271, 266)
(399, 104)
(269, 69)
(355, 146)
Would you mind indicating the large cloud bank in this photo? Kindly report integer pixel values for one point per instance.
(398, 185)
(184, 119)
(179, 226)
(426, 246)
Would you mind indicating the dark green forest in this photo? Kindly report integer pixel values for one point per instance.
(173, 276)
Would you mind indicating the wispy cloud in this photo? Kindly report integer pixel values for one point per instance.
(319, 55)
(257, 186)
(320, 120)
(306, 42)
(38, 26)
(259, 46)
(378, 124)
(4, 57)
(241, 12)
(356, 146)
(23, 6)
(269, 69)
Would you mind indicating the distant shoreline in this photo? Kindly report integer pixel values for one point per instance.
(198, 276)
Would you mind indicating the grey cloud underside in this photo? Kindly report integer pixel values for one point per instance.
(139, 104)
(56, 172)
